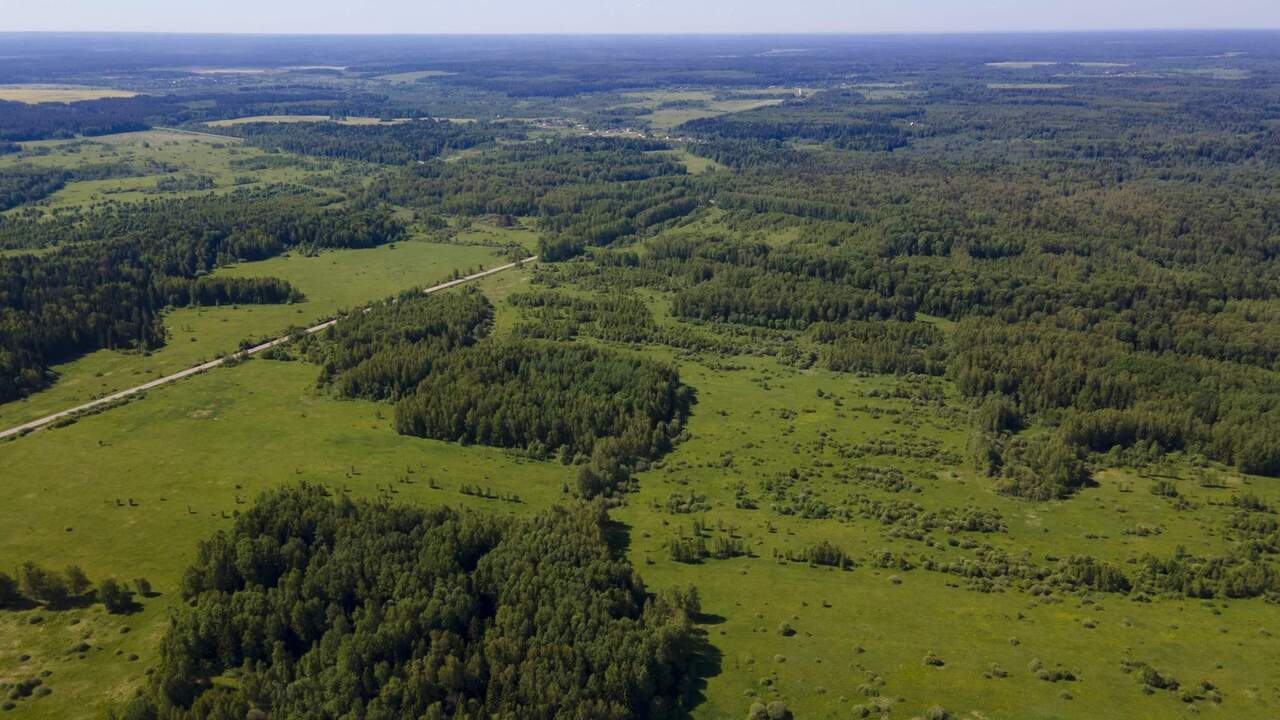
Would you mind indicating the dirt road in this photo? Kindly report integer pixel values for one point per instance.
(37, 424)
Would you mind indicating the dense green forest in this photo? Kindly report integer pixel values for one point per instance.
(329, 608)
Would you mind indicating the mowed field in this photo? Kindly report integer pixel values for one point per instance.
(39, 93)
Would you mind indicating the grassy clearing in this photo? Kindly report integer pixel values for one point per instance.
(489, 235)
(331, 281)
(820, 672)
(37, 93)
(696, 164)
(700, 104)
(668, 118)
(112, 490)
(652, 98)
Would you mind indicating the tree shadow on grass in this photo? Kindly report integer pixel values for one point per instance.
(706, 664)
(618, 536)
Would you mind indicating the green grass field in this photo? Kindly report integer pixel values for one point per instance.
(819, 671)
(696, 164)
(129, 492)
(664, 119)
(331, 281)
(1028, 86)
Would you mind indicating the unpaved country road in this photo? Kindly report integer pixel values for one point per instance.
(36, 424)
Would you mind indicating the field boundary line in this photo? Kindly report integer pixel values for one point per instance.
(240, 355)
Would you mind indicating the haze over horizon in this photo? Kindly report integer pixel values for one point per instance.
(637, 16)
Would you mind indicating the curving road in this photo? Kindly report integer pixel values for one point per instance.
(37, 424)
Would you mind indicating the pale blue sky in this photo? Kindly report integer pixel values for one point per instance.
(631, 16)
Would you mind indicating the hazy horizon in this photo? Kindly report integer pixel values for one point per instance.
(645, 17)
(672, 33)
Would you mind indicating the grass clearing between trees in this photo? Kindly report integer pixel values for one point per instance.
(331, 281)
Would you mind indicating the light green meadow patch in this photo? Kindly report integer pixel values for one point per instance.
(696, 164)
(332, 281)
(667, 118)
